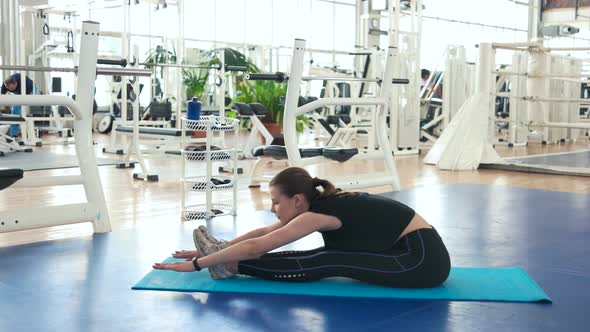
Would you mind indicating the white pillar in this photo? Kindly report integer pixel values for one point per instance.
(179, 60)
(485, 82)
(125, 49)
(536, 87)
(380, 118)
(534, 21)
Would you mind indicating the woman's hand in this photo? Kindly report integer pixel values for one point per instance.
(186, 266)
(188, 254)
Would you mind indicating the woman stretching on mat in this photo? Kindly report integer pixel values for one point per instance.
(367, 237)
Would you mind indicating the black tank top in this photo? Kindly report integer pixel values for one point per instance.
(369, 222)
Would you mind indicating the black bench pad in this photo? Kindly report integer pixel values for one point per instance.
(156, 131)
(9, 176)
(280, 152)
(340, 154)
(11, 118)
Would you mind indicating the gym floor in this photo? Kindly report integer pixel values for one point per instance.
(81, 282)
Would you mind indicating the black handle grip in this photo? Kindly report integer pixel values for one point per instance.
(277, 77)
(122, 62)
(235, 68)
(70, 42)
(401, 81)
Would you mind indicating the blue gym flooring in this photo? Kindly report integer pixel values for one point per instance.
(579, 159)
(84, 284)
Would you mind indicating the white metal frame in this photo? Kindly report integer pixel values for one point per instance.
(8, 143)
(203, 183)
(95, 210)
(253, 139)
(160, 144)
(390, 176)
(457, 87)
(31, 134)
(537, 96)
(405, 30)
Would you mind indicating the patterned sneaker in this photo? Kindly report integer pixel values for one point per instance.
(205, 247)
(211, 238)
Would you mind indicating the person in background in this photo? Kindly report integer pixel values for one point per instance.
(12, 84)
(425, 75)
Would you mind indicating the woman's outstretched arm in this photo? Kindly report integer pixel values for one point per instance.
(256, 233)
(262, 231)
(253, 248)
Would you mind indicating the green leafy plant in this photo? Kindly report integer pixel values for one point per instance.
(195, 80)
(160, 55)
(271, 95)
(233, 57)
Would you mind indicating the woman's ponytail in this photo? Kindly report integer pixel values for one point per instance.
(328, 188)
(295, 180)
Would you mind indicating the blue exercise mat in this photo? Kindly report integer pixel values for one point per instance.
(464, 284)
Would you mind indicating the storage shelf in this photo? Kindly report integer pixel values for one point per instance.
(198, 201)
(211, 123)
(199, 183)
(196, 212)
(216, 155)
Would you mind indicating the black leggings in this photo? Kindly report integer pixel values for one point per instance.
(418, 260)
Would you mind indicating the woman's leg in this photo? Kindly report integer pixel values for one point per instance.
(418, 260)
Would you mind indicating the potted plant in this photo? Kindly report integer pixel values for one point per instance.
(195, 82)
(232, 57)
(271, 95)
(160, 55)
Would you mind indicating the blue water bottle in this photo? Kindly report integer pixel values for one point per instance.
(193, 109)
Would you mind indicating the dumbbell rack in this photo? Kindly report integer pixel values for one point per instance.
(193, 185)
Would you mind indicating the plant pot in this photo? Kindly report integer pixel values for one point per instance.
(199, 134)
(275, 130)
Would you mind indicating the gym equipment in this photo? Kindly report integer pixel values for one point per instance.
(159, 138)
(472, 126)
(99, 70)
(464, 284)
(44, 160)
(254, 112)
(29, 136)
(9, 176)
(292, 111)
(343, 133)
(280, 152)
(95, 209)
(7, 143)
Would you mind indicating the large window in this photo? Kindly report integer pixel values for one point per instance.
(438, 31)
(325, 24)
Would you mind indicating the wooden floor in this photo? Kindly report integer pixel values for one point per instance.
(133, 203)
